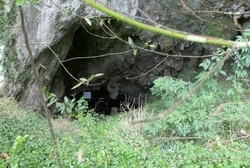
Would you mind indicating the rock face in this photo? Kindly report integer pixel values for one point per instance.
(67, 48)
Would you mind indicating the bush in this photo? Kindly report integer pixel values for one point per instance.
(212, 127)
(100, 141)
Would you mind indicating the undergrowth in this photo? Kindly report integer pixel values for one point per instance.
(98, 141)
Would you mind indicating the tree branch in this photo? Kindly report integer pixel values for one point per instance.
(39, 85)
(170, 33)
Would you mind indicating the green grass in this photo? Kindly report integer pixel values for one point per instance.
(94, 141)
(16, 121)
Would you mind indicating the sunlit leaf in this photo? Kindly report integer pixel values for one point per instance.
(88, 21)
(52, 101)
(47, 77)
(86, 81)
(151, 45)
(135, 52)
(19, 2)
(83, 80)
(94, 76)
(130, 41)
(66, 99)
(101, 22)
(43, 66)
(223, 72)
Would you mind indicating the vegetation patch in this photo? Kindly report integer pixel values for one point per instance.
(10, 63)
(186, 138)
(218, 27)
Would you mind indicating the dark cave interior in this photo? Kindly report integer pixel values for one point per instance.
(100, 101)
(97, 96)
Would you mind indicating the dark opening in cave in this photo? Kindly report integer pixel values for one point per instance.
(79, 63)
(83, 45)
(100, 101)
(76, 67)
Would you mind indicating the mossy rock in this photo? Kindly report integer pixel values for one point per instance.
(220, 27)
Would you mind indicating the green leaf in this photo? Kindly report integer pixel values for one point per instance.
(223, 72)
(94, 76)
(76, 86)
(101, 22)
(88, 21)
(151, 45)
(79, 84)
(135, 52)
(47, 77)
(19, 2)
(83, 80)
(86, 81)
(43, 66)
(130, 41)
(18, 144)
(66, 100)
(52, 101)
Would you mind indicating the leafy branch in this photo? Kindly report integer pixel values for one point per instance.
(84, 81)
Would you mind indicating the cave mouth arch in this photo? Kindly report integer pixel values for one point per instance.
(107, 92)
(124, 74)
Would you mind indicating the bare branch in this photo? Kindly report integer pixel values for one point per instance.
(39, 85)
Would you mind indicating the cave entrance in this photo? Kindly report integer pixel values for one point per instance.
(108, 92)
(84, 45)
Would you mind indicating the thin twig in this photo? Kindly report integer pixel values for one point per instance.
(148, 70)
(144, 14)
(95, 35)
(98, 56)
(39, 85)
(62, 64)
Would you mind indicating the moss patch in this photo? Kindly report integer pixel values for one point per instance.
(218, 29)
(9, 60)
